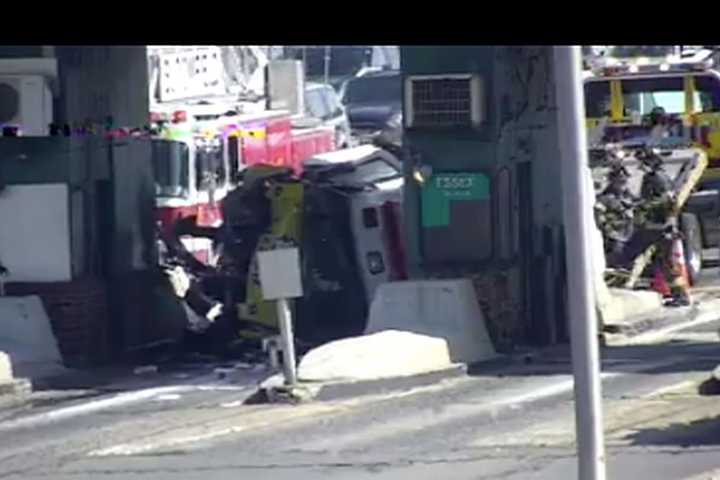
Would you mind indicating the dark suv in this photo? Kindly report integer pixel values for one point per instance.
(322, 103)
(374, 105)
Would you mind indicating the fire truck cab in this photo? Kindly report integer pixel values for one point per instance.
(192, 174)
(198, 161)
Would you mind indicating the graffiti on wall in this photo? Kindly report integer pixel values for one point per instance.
(527, 99)
(528, 120)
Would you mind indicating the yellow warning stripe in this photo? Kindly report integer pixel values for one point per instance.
(253, 133)
(689, 86)
(616, 100)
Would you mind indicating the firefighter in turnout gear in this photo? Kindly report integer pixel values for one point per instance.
(658, 213)
(615, 213)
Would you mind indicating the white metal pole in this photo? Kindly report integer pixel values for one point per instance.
(583, 325)
(288, 342)
(327, 64)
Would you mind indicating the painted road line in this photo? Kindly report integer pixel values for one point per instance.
(711, 475)
(115, 401)
(696, 337)
(470, 407)
(511, 398)
(182, 437)
(670, 389)
(482, 404)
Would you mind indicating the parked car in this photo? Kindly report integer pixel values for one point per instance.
(323, 103)
(343, 62)
(360, 73)
(374, 105)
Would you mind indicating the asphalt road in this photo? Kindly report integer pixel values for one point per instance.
(509, 419)
(512, 420)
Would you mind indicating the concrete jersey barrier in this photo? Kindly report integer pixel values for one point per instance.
(27, 337)
(386, 354)
(446, 309)
(6, 373)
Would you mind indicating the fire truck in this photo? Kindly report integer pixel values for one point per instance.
(217, 115)
(198, 162)
(624, 97)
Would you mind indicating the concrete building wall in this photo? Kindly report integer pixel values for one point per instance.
(454, 150)
(522, 123)
(101, 81)
(528, 123)
(22, 51)
(528, 134)
(522, 287)
(95, 81)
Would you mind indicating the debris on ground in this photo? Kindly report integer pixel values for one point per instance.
(145, 369)
(711, 386)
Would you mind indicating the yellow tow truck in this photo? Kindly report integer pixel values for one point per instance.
(625, 97)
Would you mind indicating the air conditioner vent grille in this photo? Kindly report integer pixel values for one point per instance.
(444, 101)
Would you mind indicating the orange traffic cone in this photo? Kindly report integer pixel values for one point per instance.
(660, 285)
(678, 259)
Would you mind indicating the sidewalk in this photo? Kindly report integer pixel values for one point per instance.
(653, 326)
(711, 475)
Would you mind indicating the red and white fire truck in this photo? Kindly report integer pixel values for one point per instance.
(218, 115)
(198, 162)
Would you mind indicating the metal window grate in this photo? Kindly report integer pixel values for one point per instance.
(444, 101)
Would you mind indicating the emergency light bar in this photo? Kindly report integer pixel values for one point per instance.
(700, 61)
(179, 116)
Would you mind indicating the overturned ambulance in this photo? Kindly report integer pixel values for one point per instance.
(343, 213)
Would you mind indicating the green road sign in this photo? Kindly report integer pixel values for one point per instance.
(444, 188)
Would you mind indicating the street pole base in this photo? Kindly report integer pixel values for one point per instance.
(292, 394)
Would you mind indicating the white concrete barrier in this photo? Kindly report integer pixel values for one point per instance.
(382, 355)
(27, 337)
(446, 309)
(627, 305)
(6, 373)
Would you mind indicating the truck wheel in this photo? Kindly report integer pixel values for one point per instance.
(692, 244)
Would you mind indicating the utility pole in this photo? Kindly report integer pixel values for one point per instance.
(288, 341)
(583, 324)
(280, 280)
(304, 59)
(327, 64)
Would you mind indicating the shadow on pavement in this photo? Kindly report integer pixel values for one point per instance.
(703, 432)
(670, 357)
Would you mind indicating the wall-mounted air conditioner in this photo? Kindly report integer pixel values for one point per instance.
(444, 101)
(26, 102)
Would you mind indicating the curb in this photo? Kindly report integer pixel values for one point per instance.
(14, 393)
(709, 475)
(330, 391)
(651, 328)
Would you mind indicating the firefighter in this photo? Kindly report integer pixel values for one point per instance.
(658, 211)
(616, 213)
